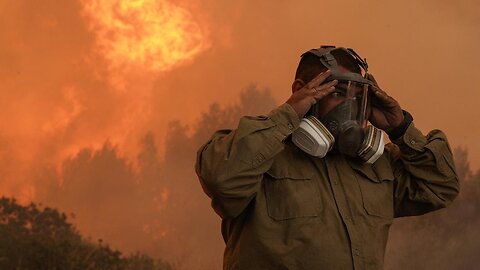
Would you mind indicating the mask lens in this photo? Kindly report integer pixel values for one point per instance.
(348, 119)
(357, 94)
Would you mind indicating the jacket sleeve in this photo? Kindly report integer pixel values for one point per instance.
(424, 171)
(230, 166)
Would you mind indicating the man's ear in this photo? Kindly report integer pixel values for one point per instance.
(297, 85)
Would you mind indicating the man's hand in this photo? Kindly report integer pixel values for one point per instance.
(313, 91)
(386, 113)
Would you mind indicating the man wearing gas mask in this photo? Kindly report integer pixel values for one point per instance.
(313, 185)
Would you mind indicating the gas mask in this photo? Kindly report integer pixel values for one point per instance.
(344, 127)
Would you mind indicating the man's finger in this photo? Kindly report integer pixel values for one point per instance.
(325, 86)
(318, 79)
(328, 85)
(324, 92)
(382, 96)
(371, 78)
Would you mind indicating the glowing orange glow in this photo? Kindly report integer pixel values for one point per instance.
(151, 34)
(64, 114)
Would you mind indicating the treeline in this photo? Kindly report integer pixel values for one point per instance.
(35, 238)
(157, 206)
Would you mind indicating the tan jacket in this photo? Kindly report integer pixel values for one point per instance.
(283, 209)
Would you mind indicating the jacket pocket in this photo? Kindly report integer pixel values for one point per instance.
(291, 195)
(376, 186)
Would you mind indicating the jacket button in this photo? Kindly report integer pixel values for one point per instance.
(290, 126)
(412, 142)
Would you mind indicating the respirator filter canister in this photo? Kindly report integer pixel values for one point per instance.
(313, 137)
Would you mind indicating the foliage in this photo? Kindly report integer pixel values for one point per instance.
(37, 239)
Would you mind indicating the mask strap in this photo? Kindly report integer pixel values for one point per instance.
(361, 62)
(364, 104)
(325, 57)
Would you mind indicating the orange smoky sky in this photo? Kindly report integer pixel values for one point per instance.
(77, 74)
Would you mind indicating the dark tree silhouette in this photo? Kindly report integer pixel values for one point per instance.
(43, 239)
